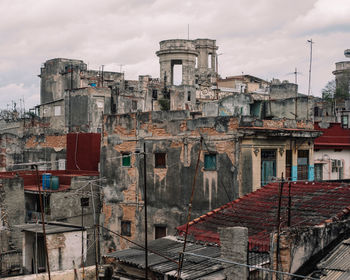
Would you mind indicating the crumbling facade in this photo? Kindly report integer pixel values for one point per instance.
(237, 156)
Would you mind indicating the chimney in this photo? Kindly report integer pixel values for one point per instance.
(234, 247)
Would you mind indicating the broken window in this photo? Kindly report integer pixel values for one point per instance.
(159, 231)
(160, 160)
(126, 162)
(188, 96)
(126, 228)
(210, 162)
(134, 105)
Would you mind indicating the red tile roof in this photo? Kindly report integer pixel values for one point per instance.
(334, 137)
(312, 204)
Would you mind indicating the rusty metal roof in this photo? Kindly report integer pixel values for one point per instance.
(193, 267)
(312, 203)
(336, 265)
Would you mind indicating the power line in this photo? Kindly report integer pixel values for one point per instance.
(251, 266)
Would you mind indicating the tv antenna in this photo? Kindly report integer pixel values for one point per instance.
(295, 73)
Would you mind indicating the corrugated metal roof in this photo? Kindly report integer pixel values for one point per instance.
(193, 267)
(50, 228)
(312, 204)
(337, 264)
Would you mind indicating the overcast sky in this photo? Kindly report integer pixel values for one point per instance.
(264, 38)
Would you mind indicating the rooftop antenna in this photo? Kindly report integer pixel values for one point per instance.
(309, 87)
(188, 31)
(120, 67)
(295, 73)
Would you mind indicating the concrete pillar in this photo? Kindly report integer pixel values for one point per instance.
(311, 173)
(281, 162)
(234, 247)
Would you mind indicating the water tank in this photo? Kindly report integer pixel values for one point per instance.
(46, 181)
(55, 183)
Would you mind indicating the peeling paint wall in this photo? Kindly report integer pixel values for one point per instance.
(169, 187)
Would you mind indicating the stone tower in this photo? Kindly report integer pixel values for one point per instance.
(177, 52)
(206, 70)
(58, 75)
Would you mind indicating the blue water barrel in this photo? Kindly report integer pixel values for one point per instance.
(46, 181)
(55, 183)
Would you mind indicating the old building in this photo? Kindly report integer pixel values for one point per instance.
(237, 156)
(25, 195)
(332, 154)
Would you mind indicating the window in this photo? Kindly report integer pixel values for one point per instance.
(126, 228)
(57, 110)
(210, 162)
(126, 162)
(154, 94)
(134, 105)
(159, 160)
(345, 121)
(210, 60)
(159, 231)
(318, 172)
(188, 96)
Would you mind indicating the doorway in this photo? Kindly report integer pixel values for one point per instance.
(268, 166)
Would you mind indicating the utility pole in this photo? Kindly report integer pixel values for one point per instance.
(145, 204)
(102, 75)
(43, 220)
(309, 87)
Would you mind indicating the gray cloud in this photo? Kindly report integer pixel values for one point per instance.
(266, 38)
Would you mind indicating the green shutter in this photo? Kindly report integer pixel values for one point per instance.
(210, 162)
(126, 160)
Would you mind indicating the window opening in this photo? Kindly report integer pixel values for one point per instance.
(176, 69)
(134, 105)
(210, 56)
(210, 162)
(159, 231)
(126, 159)
(154, 94)
(126, 228)
(160, 160)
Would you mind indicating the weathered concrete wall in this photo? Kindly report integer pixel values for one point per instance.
(84, 108)
(298, 246)
(59, 275)
(234, 247)
(326, 157)
(169, 187)
(64, 248)
(65, 207)
(285, 108)
(13, 213)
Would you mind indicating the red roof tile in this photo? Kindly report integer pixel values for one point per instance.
(334, 137)
(312, 204)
